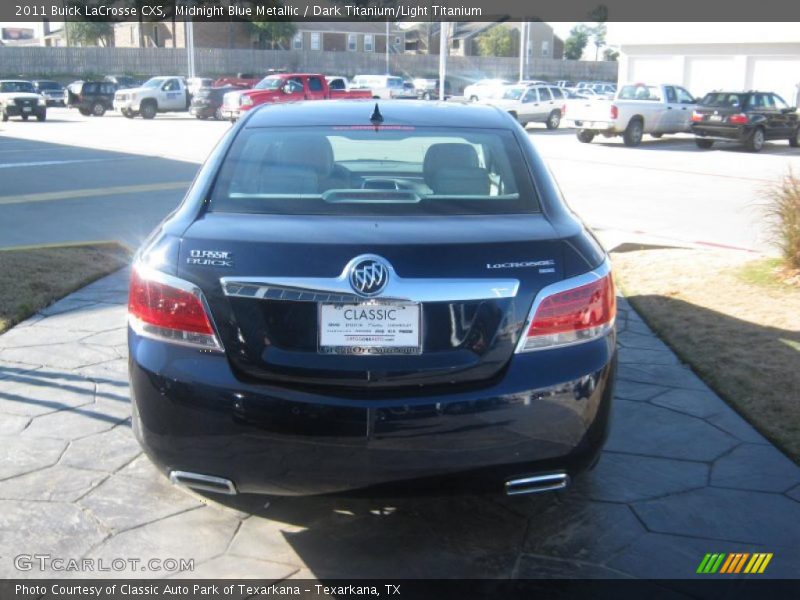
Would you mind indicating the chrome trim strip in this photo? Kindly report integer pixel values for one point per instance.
(398, 289)
(537, 483)
(206, 483)
(561, 286)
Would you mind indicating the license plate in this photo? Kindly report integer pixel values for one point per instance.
(715, 118)
(26, 109)
(369, 328)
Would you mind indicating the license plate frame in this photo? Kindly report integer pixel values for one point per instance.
(27, 109)
(715, 118)
(358, 342)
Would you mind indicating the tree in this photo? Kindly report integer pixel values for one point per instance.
(275, 32)
(610, 54)
(89, 33)
(496, 41)
(576, 42)
(598, 33)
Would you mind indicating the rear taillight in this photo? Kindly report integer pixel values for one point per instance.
(614, 111)
(572, 311)
(564, 111)
(697, 117)
(740, 119)
(169, 309)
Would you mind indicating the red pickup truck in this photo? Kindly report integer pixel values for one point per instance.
(285, 87)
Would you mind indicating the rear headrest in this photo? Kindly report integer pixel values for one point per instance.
(448, 156)
(309, 151)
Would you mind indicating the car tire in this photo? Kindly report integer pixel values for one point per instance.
(794, 141)
(128, 114)
(24, 117)
(584, 136)
(4, 116)
(703, 143)
(41, 116)
(473, 98)
(218, 115)
(554, 120)
(657, 136)
(633, 133)
(84, 112)
(98, 109)
(756, 140)
(148, 110)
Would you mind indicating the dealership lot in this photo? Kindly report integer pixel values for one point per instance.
(682, 474)
(664, 191)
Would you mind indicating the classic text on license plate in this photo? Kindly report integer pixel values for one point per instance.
(370, 328)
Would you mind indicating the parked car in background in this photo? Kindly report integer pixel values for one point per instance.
(287, 87)
(604, 89)
(428, 89)
(193, 84)
(52, 91)
(384, 87)
(564, 83)
(242, 80)
(749, 118)
(90, 97)
(340, 303)
(484, 89)
(337, 82)
(637, 109)
(207, 102)
(123, 81)
(156, 95)
(19, 98)
(533, 104)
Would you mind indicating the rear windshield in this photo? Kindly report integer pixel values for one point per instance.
(724, 100)
(640, 92)
(358, 170)
(11, 87)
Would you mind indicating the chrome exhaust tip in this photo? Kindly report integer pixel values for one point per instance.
(204, 483)
(547, 482)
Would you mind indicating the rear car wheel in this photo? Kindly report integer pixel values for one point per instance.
(705, 144)
(633, 133)
(41, 116)
(4, 116)
(585, 136)
(756, 140)
(148, 110)
(98, 109)
(128, 114)
(24, 117)
(554, 120)
(473, 98)
(794, 141)
(657, 136)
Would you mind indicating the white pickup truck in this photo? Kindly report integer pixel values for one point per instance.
(635, 110)
(158, 94)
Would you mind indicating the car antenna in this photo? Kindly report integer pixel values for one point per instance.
(377, 117)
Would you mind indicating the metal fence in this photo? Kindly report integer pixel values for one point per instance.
(82, 62)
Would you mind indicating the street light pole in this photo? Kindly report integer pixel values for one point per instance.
(387, 46)
(523, 48)
(443, 33)
(190, 47)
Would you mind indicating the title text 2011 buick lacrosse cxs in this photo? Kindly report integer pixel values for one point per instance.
(356, 295)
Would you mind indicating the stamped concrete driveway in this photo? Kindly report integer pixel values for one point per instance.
(682, 476)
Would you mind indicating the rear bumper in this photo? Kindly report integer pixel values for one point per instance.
(549, 411)
(202, 111)
(724, 133)
(604, 126)
(12, 110)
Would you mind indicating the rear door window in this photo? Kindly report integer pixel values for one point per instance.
(356, 170)
(315, 84)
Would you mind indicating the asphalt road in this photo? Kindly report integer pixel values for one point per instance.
(85, 178)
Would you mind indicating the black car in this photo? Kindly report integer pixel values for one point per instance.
(52, 91)
(750, 118)
(20, 99)
(355, 295)
(90, 97)
(123, 82)
(207, 102)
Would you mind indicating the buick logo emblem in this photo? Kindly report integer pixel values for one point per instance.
(369, 276)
